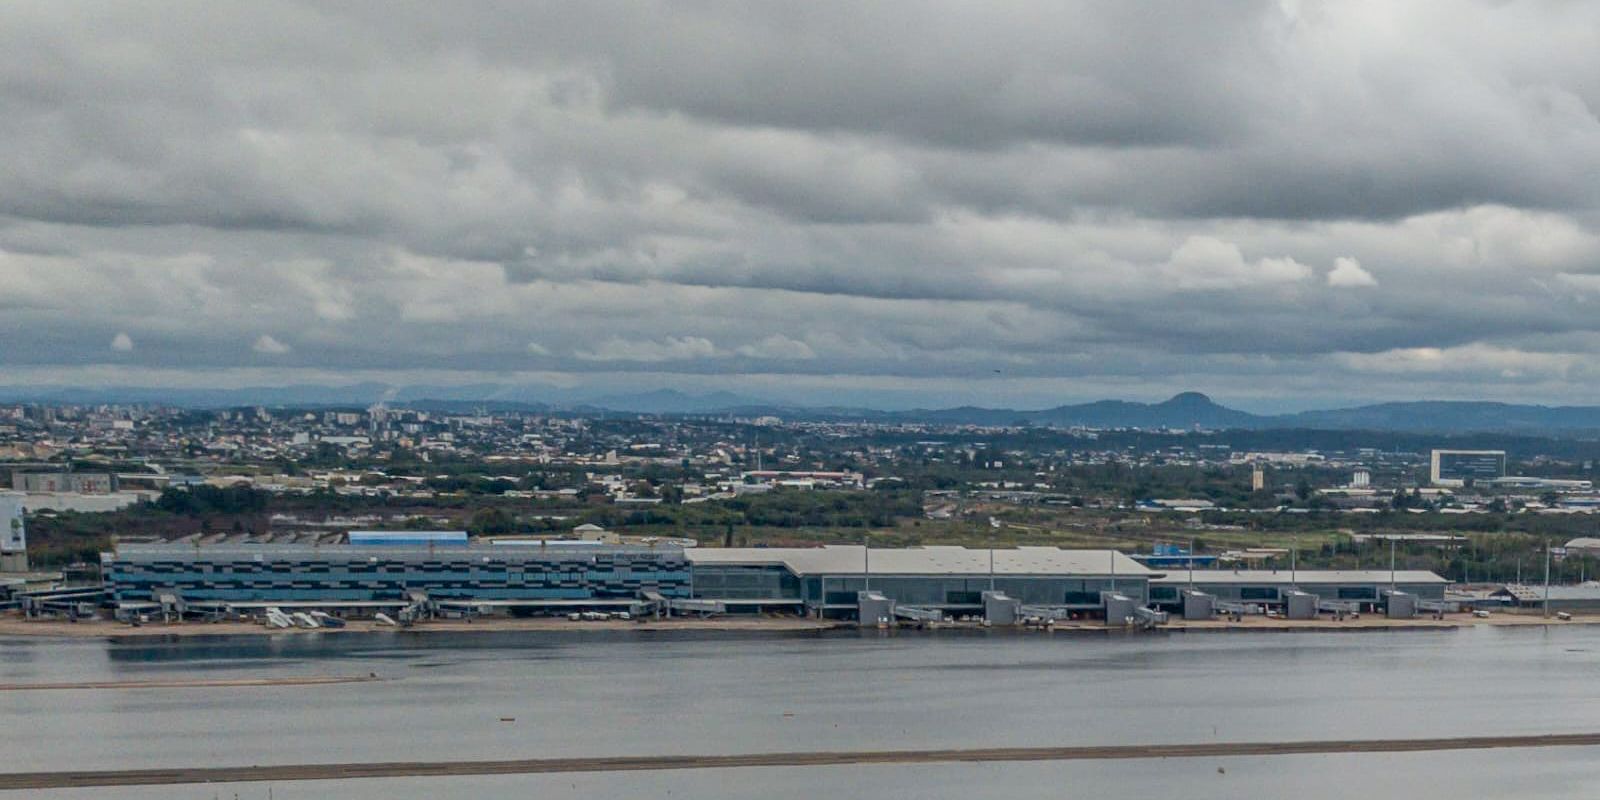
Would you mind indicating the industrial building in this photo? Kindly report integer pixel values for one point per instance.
(1527, 483)
(1583, 598)
(67, 482)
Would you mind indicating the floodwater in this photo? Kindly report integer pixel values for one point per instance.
(449, 696)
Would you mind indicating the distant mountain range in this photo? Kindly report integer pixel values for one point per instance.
(1190, 410)
(1187, 410)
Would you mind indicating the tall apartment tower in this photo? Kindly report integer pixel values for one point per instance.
(13, 538)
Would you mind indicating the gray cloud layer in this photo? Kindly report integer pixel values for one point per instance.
(1270, 200)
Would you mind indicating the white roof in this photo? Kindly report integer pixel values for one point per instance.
(933, 560)
(1526, 592)
(1304, 577)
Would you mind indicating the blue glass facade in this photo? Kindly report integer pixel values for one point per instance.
(333, 574)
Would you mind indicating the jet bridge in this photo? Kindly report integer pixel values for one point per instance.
(655, 602)
(418, 607)
(677, 605)
(919, 613)
(1149, 617)
(1045, 612)
(60, 601)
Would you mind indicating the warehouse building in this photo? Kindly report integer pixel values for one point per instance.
(1583, 597)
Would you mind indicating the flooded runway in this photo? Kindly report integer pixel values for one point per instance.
(326, 772)
(961, 708)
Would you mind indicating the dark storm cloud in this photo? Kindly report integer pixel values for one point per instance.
(1129, 196)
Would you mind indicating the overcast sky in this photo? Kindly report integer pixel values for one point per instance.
(1282, 204)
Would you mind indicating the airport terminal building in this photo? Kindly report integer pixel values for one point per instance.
(440, 571)
(826, 581)
(1363, 589)
(820, 581)
(393, 573)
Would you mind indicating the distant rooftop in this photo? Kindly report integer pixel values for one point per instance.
(933, 560)
(476, 549)
(1304, 577)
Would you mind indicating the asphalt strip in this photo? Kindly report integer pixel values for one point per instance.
(321, 772)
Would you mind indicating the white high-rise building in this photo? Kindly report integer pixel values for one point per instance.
(13, 537)
(1456, 467)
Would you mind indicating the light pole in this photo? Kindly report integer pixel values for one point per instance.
(991, 564)
(866, 563)
(1547, 579)
(1391, 565)
(1294, 560)
(1191, 565)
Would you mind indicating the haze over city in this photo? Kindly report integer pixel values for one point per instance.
(1286, 205)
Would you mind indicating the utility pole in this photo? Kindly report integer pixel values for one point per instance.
(1391, 565)
(1191, 565)
(1547, 579)
(991, 563)
(866, 563)
(1294, 560)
